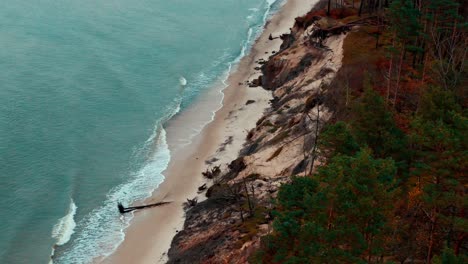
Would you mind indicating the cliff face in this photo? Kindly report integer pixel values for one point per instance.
(226, 228)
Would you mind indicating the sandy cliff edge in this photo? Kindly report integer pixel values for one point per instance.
(150, 234)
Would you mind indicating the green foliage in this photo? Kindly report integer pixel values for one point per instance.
(340, 217)
(445, 13)
(346, 213)
(441, 160)
(374, 126)
(439, 135)
(438, 104)
(336, 139)
(449, 257)
(350, 211)
(292, 195)
(405, 20)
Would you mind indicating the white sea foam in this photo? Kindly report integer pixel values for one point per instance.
(270, 3)
(252, 34)
(102, 230)
(182, 81)
(52, 253)
(206, 79)
(65, 227)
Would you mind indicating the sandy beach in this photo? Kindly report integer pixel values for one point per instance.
(150, 234)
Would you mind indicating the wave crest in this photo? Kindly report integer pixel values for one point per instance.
(182, 81)
(65, 227)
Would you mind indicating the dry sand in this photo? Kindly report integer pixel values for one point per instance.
(150, 234)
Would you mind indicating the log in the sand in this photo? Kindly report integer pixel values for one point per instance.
(124, 210)
(192, 202)
(203, 187)
(210, 174)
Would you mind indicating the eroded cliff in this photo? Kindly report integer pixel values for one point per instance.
(226, 228)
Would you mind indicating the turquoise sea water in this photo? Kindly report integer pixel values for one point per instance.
(85, 88)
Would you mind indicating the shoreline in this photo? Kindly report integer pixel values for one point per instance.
(151, 231)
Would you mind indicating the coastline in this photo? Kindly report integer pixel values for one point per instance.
(149, 236)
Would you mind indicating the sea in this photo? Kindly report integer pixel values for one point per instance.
(86, 91)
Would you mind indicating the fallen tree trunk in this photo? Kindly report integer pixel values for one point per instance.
(124, 210)
(319, 34)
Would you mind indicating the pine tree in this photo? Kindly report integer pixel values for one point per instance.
(373, 125)
(405, 23)
(336, 139)
(343, 217)
(441, 161)
(449, 257)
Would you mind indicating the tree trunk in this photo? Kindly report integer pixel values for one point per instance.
(398, 78)
(459, 244)
(431, 237)
(347, 90)
(314, 149)
(389, 78)
(369, 248)
(330, 215)
(360, 7)
(241, 213)
(248, 198)
(253, 195)
(423, 76)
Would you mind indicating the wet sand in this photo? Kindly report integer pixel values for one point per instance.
(148, 238)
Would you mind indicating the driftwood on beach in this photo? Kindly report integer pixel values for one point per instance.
(202, 188)
(190, 203)
(124, 210)
(210, 174)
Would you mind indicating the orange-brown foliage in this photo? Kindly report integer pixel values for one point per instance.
(340, 13)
